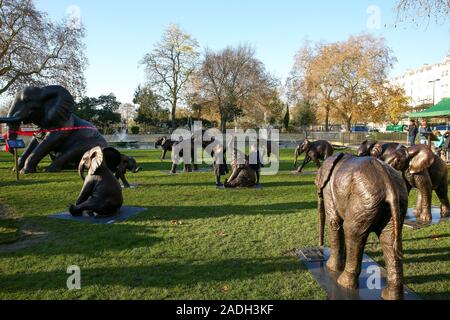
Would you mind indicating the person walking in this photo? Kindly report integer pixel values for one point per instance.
(412, 132)
(424, 128)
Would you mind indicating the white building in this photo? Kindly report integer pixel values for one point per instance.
(419, 84)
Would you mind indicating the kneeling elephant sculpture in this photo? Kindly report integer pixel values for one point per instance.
(359, 196)
(63, 135)
(101, 192)
(424, 170)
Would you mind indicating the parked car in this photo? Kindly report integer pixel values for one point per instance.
(360, 129)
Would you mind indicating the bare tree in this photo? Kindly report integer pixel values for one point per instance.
(170, 66)
(419, 11)
(235, 82)
(37, 51)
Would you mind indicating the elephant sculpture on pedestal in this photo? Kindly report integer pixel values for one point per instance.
(63, 136)
(378, 150)
(424, 170)
(360, 195)
(315, 151)
(101, 192)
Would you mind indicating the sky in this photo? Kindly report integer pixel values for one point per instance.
(119, 33)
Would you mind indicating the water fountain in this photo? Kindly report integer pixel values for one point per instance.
(120, 140)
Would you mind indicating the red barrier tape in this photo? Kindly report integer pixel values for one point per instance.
(32, 133)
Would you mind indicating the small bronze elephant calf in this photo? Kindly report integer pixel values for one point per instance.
(424, 170)
(101, 192)
(360, 195)
(315, 151)
(119, 163)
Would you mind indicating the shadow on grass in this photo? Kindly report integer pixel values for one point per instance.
(202, 212)
(24, 182)
(160, 274)
(212, 183)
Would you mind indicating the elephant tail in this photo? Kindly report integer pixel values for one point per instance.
(322, 219)
(393, 199)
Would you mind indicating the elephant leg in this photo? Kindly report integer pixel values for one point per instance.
(317, 162)
(394, 266)
(336, 261)
(121, 176)
(423, 183)
(418, 209)
(76, 152)
(305, 162)
(355, 242)
(442, 193)
(47, 145)
(91, 205)
(29, 150)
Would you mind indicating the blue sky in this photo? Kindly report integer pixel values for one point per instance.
(120, 32)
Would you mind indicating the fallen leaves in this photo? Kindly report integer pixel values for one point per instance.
(225, 288)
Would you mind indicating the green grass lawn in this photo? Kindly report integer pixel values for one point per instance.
(193, 242)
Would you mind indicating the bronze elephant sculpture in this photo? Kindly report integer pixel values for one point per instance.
(243, 174)
(358, 196)
(119, 164)
(64, 136)
(378, 150)
(424, 170)
(315, 151)
(165, 144)
(101, 192)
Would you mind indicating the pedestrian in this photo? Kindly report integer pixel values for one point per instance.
(439, 144)
(412, 132)
(424, 128)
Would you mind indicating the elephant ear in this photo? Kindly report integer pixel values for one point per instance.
(324, 174)
(112, 157)
(421, 158)
(96, 156)
(377, 150)
(306, 144)
(59, 104)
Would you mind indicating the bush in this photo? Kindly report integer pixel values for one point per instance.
(134, 130)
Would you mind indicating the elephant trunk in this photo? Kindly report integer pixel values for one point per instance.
(12, 119)
(81, 170)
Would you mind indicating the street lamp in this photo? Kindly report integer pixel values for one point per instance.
(434, 87)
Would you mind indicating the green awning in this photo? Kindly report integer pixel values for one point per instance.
(441, 110)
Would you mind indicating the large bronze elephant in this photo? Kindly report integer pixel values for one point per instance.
(101, 192)
(65, 138)
(378, 150)
(315, 151)
(360, 195)
(424, 170)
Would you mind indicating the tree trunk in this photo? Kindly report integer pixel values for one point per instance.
(327, 120)
(173, 113)
(348, 124)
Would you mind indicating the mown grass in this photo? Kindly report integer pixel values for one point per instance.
(193, 242)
